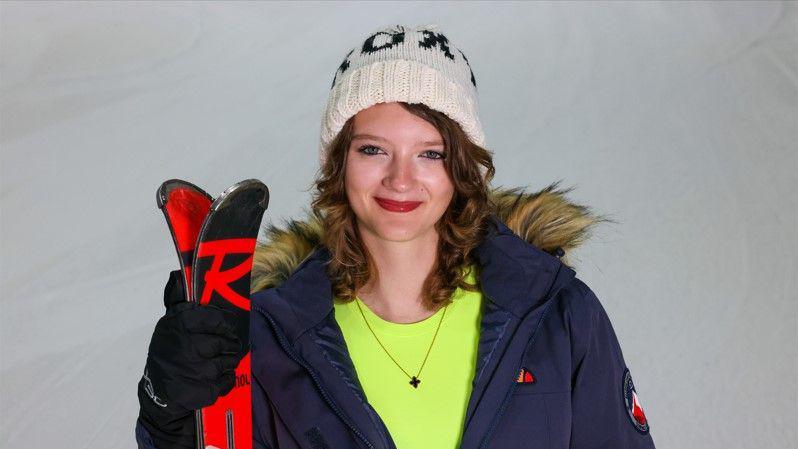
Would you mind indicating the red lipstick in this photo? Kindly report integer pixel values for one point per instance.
(397, 206)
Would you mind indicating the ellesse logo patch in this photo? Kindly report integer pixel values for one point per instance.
(525, 377)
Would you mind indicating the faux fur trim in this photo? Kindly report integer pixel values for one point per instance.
(546, 219)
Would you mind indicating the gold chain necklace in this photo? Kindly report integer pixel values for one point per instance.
(414, 381)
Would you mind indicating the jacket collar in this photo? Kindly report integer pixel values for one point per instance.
(512, 271)
(514, 275)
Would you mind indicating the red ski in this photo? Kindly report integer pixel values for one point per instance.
(215, 242)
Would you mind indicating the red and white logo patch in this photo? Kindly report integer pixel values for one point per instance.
(633, 408)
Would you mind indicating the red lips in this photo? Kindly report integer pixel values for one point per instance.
(397, 206)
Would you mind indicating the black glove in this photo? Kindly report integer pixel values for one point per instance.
(192, 358)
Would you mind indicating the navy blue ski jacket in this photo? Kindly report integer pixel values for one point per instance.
(537, 317)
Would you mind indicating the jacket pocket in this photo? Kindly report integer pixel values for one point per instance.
(534, 420)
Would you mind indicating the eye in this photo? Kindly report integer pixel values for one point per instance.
(365, 149)
(432, 154)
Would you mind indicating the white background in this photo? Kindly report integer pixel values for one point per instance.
(678, 119)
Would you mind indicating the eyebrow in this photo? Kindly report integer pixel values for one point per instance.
(380, 139)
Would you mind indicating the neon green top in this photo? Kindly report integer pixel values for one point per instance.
(433, 414)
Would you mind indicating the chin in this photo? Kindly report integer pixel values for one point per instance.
(396, 232)
(402, 228)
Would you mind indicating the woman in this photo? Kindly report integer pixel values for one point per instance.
(416, 307)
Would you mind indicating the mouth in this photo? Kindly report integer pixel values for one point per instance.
(397, 206)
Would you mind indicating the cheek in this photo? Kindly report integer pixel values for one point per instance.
(360, 179)
(441, 188)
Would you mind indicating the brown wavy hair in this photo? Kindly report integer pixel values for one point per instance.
(461, 228)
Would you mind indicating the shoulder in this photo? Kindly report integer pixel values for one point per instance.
(578, 301)
(581, 315)
(299, 302)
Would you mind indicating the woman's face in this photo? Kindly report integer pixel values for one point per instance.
(398, 157)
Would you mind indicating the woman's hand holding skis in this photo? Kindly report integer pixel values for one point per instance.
(192, 358)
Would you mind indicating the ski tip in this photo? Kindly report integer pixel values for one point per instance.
(162, 194)
(247, 184)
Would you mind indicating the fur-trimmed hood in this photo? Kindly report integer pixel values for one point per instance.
(546, 219)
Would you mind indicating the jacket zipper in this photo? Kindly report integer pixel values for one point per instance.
(284, 343)
(506, 401)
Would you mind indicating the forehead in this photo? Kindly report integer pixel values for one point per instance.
(390, 122)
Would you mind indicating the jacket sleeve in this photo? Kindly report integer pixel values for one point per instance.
(143, 438)
(262, 418)
(264, 435)
(606, 410)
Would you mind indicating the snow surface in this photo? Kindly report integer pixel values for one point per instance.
(678, 119)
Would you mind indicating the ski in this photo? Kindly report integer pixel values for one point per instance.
(185, 207)
(221, 277)
(217, 269)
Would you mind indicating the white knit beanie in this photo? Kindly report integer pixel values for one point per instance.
(413, 65)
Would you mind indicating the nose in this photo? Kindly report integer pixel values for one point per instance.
(400, 175)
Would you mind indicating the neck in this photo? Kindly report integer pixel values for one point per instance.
(403, 267)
